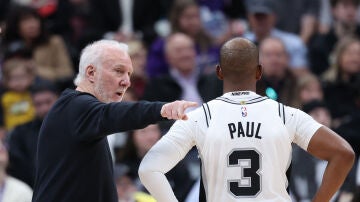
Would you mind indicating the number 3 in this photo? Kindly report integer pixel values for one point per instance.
(249, 183)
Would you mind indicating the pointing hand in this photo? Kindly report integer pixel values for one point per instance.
(176, 110)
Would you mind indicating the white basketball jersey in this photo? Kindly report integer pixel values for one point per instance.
(244, 142)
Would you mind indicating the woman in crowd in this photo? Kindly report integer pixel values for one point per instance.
(25, 29)
(184, 18)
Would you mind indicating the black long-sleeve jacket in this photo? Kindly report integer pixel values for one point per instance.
(73, 161)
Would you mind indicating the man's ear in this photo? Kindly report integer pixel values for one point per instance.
(219, 72)
(259, 72)
(90, 73)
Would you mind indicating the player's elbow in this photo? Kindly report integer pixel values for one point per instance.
(144, 170)
(346, 154)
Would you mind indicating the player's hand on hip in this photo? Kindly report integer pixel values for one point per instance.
(176, 110)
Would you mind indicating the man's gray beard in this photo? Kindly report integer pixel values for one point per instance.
(101, 92)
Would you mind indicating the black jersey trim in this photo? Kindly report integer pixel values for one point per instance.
(207, 106)
(281, 109)
(240, 103)
(206, 117)
(255, 98)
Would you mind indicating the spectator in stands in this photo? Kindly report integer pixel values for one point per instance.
(139, 78)
(23, 139)
(342, 80)
(303, 18)
(184, 18)
(16, 106)
(342, 87)
(308, 88)
(277, 82)
(308, 97)
(12, 189)
(184, 80)
(344, 23)
(262, 20)
(138, 143)
(223, 19)
(25, 28)
(342, 92)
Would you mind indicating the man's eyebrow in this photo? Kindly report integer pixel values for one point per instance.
(119, 66)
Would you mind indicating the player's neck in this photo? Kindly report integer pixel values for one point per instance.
(232, 88)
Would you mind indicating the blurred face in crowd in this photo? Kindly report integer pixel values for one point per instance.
(311, 91)
(112, 78)
(180, 53)
(345, 12)
(138, 57)
(19, 79)
(189, 20)
(125, 188)
(145, 138)
(350, 58)
(29, 27)
(261, 24)
(43, 101)
(274, 58)
(322, 115)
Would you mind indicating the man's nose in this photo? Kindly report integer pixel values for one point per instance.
(125, 81)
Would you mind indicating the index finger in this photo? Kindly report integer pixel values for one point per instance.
(190, 104)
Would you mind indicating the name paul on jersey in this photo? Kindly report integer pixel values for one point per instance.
(248, 129)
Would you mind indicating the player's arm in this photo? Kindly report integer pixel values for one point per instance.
(329, 146)
(325, 144)
(162, 157)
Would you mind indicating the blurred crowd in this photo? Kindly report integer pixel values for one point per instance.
(309, 49)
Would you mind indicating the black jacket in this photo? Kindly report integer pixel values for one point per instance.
(166, 89)
(320, 49)
(73, 161)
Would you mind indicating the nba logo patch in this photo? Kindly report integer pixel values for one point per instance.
(243, 111)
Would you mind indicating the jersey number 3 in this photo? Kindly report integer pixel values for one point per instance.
(249, 183)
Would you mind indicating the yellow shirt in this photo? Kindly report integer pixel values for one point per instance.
(143, 197)
(17, 108)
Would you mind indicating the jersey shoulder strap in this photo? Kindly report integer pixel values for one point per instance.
(281, 110)
(207, 112)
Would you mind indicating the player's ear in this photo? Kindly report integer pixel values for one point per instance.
(90, 73)
(259, 71)
(219, 72)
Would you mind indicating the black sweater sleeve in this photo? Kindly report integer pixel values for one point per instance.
(92, 119)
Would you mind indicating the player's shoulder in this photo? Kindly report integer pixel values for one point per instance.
(202, 115)
(199, 112)
(285, 112)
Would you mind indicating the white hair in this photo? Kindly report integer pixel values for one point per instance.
(92, 55)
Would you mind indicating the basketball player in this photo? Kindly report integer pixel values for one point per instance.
(244, 140)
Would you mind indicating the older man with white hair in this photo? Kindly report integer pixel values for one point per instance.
(73, 158)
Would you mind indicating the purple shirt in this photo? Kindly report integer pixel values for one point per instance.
(157, 65)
